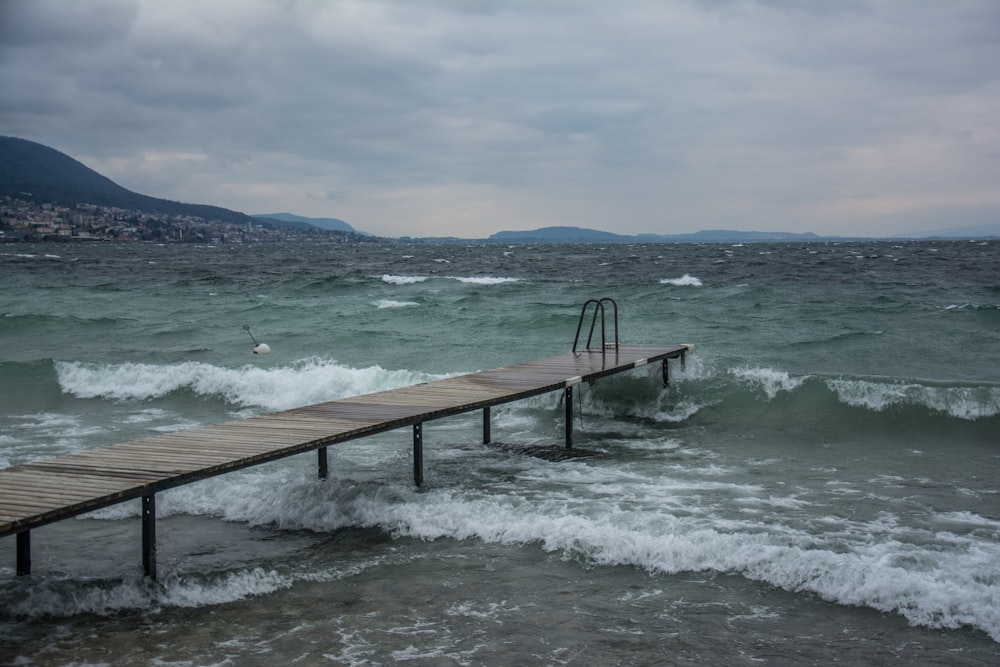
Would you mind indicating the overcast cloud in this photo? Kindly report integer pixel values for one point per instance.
(437, 118)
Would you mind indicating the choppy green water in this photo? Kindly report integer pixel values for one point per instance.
(818, 484)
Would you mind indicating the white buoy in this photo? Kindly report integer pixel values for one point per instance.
(258, 348)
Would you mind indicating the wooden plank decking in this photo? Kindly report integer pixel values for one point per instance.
(34, 494)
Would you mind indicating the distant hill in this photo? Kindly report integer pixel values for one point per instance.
(972, 232)
(31, 170)
(580, 235)
(332, 224)
(729, 235)
(560, 235)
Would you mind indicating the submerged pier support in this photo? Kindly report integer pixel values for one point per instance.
(568, 404)
(149, 536)
(24, 553)
(323, 462)
(418, 453)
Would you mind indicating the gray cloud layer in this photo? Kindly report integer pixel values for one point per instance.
(465, 118)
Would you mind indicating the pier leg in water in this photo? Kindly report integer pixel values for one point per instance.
(666, 373)
(149, 536)
(418, 454)
(569, 416)
(24, 553)
(487, 437)
(324, 466)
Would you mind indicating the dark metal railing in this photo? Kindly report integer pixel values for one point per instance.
(598, 308)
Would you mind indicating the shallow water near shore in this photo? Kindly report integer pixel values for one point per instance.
(816, 485)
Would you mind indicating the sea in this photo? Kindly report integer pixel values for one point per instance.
(819, 483)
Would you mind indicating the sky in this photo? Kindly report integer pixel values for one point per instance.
(465, 118)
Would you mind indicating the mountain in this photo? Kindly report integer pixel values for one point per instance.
(728, 235)
(560, 235)
(580, 235)
(29, 169)
(971, 232)
(332, 224)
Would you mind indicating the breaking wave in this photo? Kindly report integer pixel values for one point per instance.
(960, 401)
(308, 381)
(932, 576)
(484, 280)
(402, 280)
(684, 281)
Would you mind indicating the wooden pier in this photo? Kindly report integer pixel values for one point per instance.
(39, 493)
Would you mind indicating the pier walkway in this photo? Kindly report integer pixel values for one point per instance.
(42, 492)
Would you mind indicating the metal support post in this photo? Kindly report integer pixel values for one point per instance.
(666, 373)
(324, 466)
(486, 425)
(24, 553)
(149, 536)
(569, 416)
(418, 454)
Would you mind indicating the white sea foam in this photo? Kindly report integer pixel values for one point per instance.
(481, 610)
(946, 591)
(144, 416)
(174, 427)
(402, 280)
(684, 281)
(303, 383)
(389, 303)
(618, 515)
(962, 402)
(973, 306)
(650, 445)
(46, 434)
(62, 598)
(970, 519)
(484, 280)
(228, 587)
(769, 380)
(679, 412)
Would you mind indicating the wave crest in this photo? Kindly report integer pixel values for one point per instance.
(484, 280)
(770, 381)
(402, 280)
(962, 402)
(686, 280)
(303, 383)
(966, 402)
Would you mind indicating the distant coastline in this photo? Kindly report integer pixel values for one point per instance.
(46, 195)
(575, 235)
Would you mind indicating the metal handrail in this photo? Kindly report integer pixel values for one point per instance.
(598, 307)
